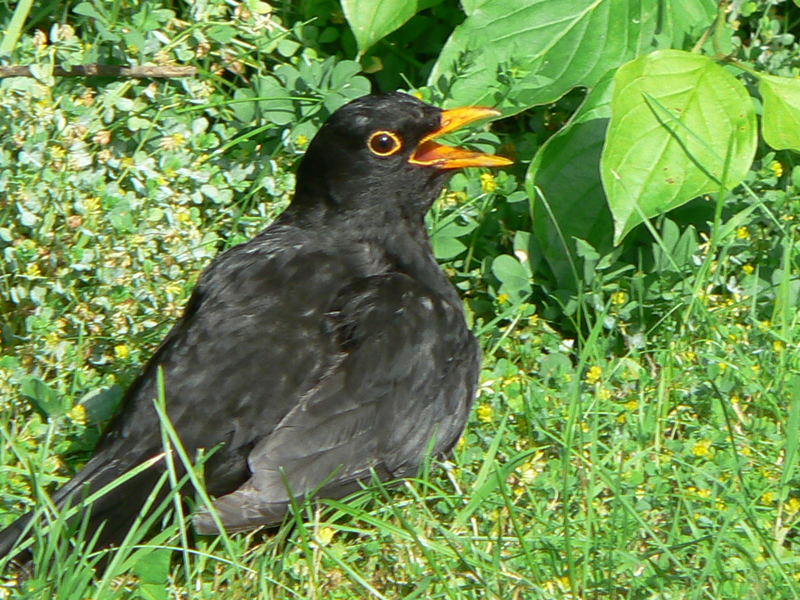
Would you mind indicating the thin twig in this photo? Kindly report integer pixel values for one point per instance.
(96, 70)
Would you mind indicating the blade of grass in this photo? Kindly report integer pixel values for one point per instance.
(14, 30)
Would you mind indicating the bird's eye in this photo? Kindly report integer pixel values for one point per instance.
(384, 143)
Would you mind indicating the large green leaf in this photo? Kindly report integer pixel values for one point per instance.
(681, 126)
(446, 242)
(515, 278)
(781, 120)
(520, 54)
(372, 20)
(42, 396)
(152, 569)
(684, 21)
(566, 189)
(275, 102)
(469, 6)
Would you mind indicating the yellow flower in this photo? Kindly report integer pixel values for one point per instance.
(594, 374)
(301, 141)
(743, 233)
(172, 142)
(559, 584)
(631, 405)
(77, 414)
(456, 197)
(768, 472)
(325, 535)
(488, 184)
(767, 497)
(702, 448)
(619, 298)
(748, 269)
(92, 204)
(792, 506)
(527, 473)
(502, 298)
(776, 168)
(485, 413)
(777, 346)
(173, 288)
(33, 270)
(122, 351)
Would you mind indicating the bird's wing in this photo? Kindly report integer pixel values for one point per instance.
(248, 347)
(402, 384)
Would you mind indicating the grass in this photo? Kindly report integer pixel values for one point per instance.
(663, 471)
(638, 442)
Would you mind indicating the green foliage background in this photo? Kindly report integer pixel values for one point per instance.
(636, 431)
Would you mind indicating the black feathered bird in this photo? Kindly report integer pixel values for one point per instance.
(328, 347)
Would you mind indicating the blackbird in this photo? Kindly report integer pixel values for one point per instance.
(329, 347)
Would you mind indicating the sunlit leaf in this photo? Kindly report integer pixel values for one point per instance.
(513, 275)
(568, 198)
(781, 120)
(520, 54)
(681, 126)
(372, 20)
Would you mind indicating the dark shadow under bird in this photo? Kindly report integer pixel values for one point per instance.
(328, 347)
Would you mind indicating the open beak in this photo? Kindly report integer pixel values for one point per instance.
(431, 154)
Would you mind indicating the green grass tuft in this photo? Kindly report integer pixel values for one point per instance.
(636, 438)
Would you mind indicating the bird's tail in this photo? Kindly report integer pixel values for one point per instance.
(111, 512)
(12, 536)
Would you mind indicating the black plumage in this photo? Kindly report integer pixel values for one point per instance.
(329, 346)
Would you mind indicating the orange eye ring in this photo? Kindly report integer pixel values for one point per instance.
(384, 143)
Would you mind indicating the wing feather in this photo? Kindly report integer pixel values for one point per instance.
(403, 381)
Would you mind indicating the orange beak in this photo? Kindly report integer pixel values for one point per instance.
(431, 154)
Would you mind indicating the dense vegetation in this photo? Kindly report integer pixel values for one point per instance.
(633, 279)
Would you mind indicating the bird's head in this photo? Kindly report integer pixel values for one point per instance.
(381, 148)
